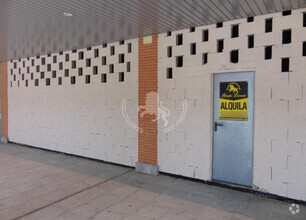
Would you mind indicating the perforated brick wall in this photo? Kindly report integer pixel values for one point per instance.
(187, 61)
(72, 101)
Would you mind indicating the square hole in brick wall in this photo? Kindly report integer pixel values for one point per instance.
(74, 51)
(235, 31)
(121, 42)
(42, 75)
(43, 61)
(67, 57)
(88, 62)
(251, 41)
(96, 53)
(61, 53)
(193, 49)
(121, 76)
(88, 48)
(60, 81)
(219, 25)
(192, 29)
(285, 65)
(112, 50)
(179, 61)
(204, 58)
(81, 55)
(121, 58)
(250, 19)
(168, 34)
(36, 82)
(49, 67)
(73, 64)
(129, 48)
(269, 25)
(179, 39)
(111, 68)
(128, 67)
(72, 80)
(95, 70)
(48, 82)
(205, 35)
(103, 60)
(60, 65)
(234, 56)
(169, 73)
(53, 74)
(220, 45)
(287, 36)
(268, 52)
(54, 59)
(103, 78)
(66, 73)
(304, 49)
(169, 51)
(87, 79)
(286, 13)
(104, 45)
(80, 71)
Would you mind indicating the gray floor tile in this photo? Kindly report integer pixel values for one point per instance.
(231, 201)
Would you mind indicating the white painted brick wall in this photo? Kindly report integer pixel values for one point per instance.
(280, 116)
(81, 119)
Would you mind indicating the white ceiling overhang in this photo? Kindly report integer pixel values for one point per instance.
(32, 27)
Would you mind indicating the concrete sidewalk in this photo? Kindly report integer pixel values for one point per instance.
(37, 184)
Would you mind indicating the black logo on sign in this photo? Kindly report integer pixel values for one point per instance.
(233, 90)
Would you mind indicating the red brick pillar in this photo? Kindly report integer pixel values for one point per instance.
(147, 101)
(4, 108)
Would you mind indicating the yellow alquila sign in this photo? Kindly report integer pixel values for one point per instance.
(234, 100)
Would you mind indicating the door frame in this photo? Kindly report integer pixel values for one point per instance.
(212, 124)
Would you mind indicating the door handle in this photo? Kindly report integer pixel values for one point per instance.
(216, 125)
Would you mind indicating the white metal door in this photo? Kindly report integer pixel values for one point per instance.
(233, 128)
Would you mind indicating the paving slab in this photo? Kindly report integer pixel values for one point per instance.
(39, 184)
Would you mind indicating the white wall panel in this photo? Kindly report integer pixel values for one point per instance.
(279, 126)
(81, 119)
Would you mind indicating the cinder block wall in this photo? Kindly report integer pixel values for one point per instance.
(280, 101)
(64, 113)
(54, 108)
